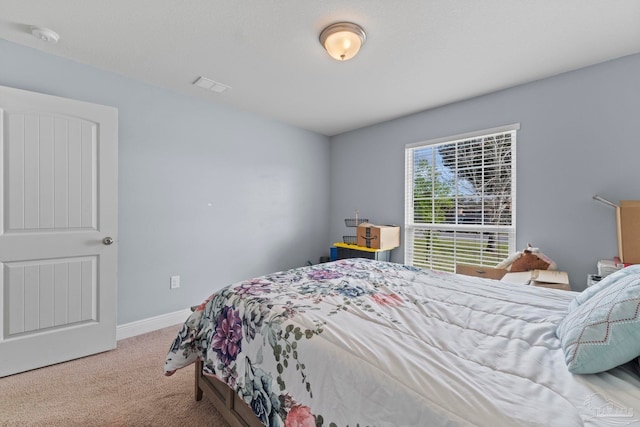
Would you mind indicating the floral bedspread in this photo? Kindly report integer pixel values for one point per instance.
(367, 343)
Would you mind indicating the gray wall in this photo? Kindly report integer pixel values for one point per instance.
(578, 137)
(266, 182)
(279, 194)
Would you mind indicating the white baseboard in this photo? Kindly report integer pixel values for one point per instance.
(151, 324)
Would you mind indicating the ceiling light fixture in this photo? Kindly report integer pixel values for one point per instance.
(45, 34)
(343, 40)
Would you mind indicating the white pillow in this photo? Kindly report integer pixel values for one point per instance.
(604, 331)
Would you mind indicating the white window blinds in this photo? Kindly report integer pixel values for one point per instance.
(460, 199)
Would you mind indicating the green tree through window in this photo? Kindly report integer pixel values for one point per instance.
(460, 200)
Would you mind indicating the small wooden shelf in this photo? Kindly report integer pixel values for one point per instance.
(346, 250)
(358, 248)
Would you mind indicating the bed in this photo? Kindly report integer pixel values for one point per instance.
(360, 342)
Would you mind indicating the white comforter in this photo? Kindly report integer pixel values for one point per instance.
(367, 343)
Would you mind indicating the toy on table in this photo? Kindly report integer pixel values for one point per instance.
(529, 259)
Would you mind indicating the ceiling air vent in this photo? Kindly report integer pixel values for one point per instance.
(209, 84)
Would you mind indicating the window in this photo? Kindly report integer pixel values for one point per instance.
(460, 199)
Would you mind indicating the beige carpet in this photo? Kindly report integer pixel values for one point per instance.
(123, 387)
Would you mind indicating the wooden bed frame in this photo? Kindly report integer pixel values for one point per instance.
(232, 408)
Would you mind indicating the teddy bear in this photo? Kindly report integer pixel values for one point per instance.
(529, 259)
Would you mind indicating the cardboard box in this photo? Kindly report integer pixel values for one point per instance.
(479, 271)
(628, 222)
(552, 279)
(544, 278)
(561, 286)
(378, 236)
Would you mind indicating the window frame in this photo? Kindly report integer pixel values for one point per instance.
(410, 226)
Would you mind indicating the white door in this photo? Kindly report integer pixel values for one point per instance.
(58, 209)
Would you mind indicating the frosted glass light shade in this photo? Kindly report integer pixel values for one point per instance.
(342, 40)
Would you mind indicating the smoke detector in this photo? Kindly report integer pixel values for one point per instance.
(45, 34)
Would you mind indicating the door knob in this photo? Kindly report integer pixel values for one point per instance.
(107, 240)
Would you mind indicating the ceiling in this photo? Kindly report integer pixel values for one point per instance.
(419, 54)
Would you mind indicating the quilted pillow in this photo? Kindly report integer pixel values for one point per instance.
(604, 331)
(611, 278)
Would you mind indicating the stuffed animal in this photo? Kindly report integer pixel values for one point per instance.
(529, 259)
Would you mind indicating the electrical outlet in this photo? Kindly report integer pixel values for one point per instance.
(174, 282)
